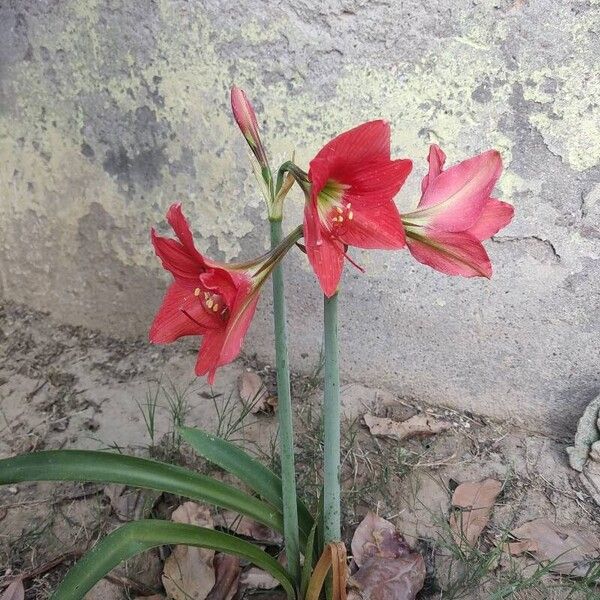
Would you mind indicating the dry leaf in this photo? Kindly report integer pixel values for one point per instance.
(241, 525)
(257, 579)
(415, 426)
(130, 504)
(15, 591)
(153, 597)
(377, 537)
(475, 500)
(390, 578)
(253, 393)
(188, 573)
(571, 550)
(227, 570)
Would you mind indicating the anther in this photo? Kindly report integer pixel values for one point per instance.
(339, 209)
(209, 303)
(197, 292)
(350, 215)
(216, 308)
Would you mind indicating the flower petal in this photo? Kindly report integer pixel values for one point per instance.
(182, 230)
(209, 353)
(494, 216)
(176, 259)
(436, 160)
(450, 253)
(180, 314)
(455, 199)
(377, 227)
(374, 183)
(369, 141)
(324, 253)
(238, 324)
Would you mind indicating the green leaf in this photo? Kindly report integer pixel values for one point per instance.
(137, 537)
(254, 474)
(105, 467)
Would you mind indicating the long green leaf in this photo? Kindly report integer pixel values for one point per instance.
(106, 467)
(137, 537)
(254, 474)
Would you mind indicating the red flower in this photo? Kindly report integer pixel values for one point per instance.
(206, 298)
(456, 213)
(353, 182)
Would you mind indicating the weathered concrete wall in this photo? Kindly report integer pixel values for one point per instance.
(112, 109)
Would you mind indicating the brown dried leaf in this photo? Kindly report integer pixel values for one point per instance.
(475, 500)
(390, 578)
(415, 426)
(241, 525)
(253, 393)
(257, 579)
(227, 570)
(15, 591)
(377, 537)
(130, 504)
(188, 572)
(571, 550)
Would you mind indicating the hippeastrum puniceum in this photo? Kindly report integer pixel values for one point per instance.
(456, 213)
(245, 117)
(206, 298)
(352, 182)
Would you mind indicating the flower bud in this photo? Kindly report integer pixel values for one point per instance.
(245, 117)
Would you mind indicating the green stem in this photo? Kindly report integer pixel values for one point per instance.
(331, 424)
(284, 412)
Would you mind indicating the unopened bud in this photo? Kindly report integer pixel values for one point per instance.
(245, 117)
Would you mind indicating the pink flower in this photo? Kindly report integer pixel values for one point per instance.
(353, 181)
(206, 298)
(456, 213)
(245, 117)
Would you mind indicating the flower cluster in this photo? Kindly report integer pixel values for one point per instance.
(349, 192)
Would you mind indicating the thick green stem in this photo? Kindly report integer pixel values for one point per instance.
(331, 424)
(284, 412)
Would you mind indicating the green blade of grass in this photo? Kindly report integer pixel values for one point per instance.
(254, 474)
(137, 537)
(105, 467)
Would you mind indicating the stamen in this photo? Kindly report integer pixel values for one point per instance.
(353, 263)
(209, 303)
(197, 292)
(216, 308)
(187, 314)
(350, 215)
(339, 209)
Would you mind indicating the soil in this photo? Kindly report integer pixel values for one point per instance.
(67, 387)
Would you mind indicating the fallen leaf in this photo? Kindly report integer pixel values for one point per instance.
(390, 578)
(130, 504)
(15, 591)
(415, 426)
(189, 572)
(257, 579)
(570, 549)
(241, 525)
(227, 569)
(253, 393)
(377, 537)
(474, 501)
(153, 597)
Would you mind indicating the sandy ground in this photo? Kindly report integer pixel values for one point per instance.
(65, 387)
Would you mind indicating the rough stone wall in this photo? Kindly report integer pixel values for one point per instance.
(112, 109)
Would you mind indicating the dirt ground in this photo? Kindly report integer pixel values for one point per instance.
(66, 387)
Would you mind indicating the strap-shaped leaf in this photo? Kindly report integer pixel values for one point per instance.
(137, 537)
(106, 467)
(253, 473)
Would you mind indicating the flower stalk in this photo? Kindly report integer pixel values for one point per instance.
(284, 413)
(331, 423)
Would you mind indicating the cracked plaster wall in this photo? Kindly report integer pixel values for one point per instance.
(112, 109)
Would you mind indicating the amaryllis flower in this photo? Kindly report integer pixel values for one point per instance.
(206, 298)
(353, 181)
(456, 213)
(245, 117)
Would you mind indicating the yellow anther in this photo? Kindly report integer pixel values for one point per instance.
(349, 206)
(216, 308)
(340, 219)
(206, 295)
(209, 303)
(197, 292)
(339, 209)
(350, 216)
